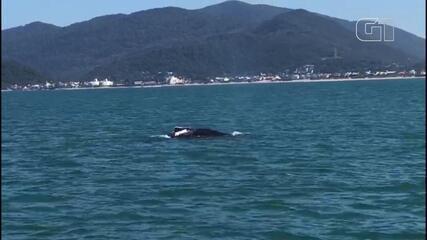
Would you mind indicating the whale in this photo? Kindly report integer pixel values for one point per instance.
(188, 132)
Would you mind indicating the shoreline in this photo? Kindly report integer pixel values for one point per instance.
(289, 81)
(232, 83)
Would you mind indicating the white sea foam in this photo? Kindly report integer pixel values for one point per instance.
(160, 136)
(235, 133)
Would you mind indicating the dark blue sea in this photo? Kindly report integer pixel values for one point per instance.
(332, 160)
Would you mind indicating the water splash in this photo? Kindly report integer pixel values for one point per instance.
(236, 133)
(160, 136)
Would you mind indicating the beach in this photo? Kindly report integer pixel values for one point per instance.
(236, 83)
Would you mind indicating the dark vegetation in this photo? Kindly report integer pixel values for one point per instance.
(228, 38)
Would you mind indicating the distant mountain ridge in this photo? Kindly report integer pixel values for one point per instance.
(230, 37)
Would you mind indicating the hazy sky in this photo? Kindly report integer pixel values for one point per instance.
(406, 14)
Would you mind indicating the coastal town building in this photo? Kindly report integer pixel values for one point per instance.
(94, 83)
(175, 80)
(106, 83)
(49, 85)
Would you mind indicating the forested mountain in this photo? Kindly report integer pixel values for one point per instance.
(16, 73)
(231, 37)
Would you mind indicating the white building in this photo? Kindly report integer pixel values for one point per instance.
(308, 68)
(74, 84)
(270, 78)
(106, 83)
(48, 85)
(175, 80)
(387, 72)
(94, 83)
(222, 79)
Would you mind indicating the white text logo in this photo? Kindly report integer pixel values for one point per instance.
(374, 30)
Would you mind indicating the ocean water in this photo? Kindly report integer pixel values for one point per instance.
(336, 160)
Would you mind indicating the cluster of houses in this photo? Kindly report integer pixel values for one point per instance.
(170, 79)
(71, 84)
(103, 83)
(301, 73)
(307, 72)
